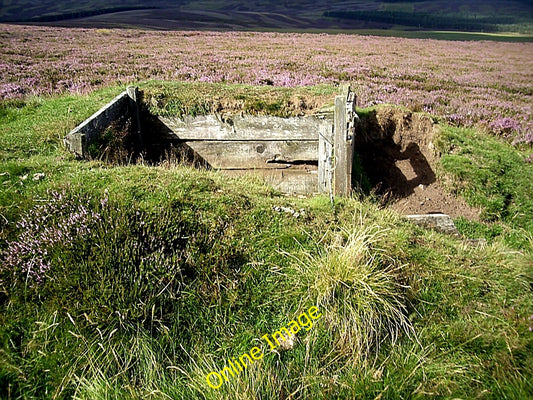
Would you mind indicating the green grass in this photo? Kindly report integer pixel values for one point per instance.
(492, 175)
(180, 98)
(180, 269)
(447, 35)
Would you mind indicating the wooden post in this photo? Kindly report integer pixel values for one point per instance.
(340, 188)
(344, 131)
(344, 141)
(351, 117)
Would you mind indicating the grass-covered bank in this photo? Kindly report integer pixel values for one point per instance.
(197, 98)
(136, 281)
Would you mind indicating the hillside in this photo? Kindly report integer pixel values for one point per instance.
(145, 281)
(462, 83)
(474, 15)
(151, 279)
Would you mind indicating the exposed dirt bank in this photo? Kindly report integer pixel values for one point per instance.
(399, 158)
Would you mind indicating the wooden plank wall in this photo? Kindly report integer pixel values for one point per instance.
(77, 141)
(285, 151)
(297, 155)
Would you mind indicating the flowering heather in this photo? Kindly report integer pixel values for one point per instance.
(504, 126)
(463, 82)
(58, 221)
(525, 135)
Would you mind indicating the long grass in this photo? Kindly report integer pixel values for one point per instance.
(357, 286)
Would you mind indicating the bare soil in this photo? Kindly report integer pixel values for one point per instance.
(399, 158)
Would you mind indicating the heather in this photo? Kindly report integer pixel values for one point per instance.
(49, 224)
(484, 84)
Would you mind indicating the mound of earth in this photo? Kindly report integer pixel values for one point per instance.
(398, 156)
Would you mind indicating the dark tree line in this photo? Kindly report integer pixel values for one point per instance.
(426, 20)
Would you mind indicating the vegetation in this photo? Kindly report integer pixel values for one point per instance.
(179, 99)
(494, 177)
(430, 21)
(84, 14)
(136, 282)
(428, 77)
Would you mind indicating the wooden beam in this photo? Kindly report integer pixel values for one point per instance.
(78, 140)
(344, 141)
(291, 180)
(340, 187)
(255, 154)
(211, 127)
(325, 159)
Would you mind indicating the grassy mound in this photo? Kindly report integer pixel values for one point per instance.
(137, 282)
(180, 98)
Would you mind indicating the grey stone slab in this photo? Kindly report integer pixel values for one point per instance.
(439, 222)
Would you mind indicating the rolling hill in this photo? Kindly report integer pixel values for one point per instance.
(451, 15)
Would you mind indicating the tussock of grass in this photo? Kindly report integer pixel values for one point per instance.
(356, 284)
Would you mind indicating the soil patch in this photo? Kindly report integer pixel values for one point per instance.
(397, 155)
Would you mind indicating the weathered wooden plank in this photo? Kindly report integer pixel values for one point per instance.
(351, 118)
(290, 181)
(344, 141)
(255, 154)
(341, 188)
(325, 158)
(80, 137)
(248, 127)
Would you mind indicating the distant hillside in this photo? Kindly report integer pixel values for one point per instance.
(47, 10)
(453, 15)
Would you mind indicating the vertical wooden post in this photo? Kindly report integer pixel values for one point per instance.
(340, 188)
(344, 141)
(351, 118)
(343, 148)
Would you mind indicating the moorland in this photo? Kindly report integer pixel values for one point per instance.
(137, 280)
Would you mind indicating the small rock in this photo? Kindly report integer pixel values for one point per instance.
(24, 177)
(38, 176)
(439, 222)
(289, 210)
(286, 343)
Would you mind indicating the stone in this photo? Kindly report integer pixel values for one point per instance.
(439, 222)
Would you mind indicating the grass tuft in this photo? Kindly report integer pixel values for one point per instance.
(356, 284)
